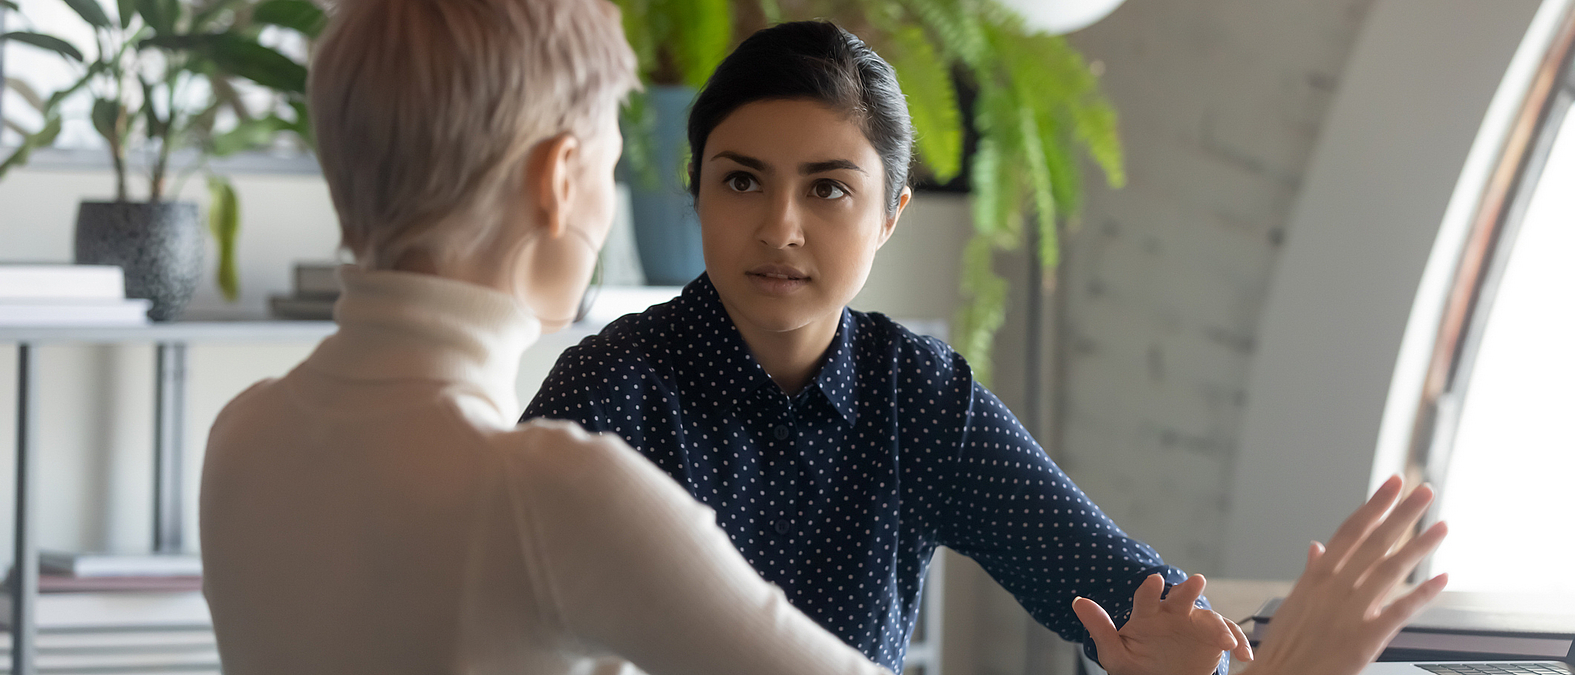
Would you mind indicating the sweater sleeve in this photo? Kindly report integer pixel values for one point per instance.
(637, 567)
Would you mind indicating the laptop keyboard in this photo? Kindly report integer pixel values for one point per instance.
(1496, 668)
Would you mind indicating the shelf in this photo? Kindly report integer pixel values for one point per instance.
(610, 303)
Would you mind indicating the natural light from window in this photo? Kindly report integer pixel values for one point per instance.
(1510, 492)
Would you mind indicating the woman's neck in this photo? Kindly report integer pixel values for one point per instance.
(790, 357)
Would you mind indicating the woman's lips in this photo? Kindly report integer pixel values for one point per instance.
(777, 279)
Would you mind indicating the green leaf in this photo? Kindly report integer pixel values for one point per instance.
(42, 139)
(298, 15)
(932, 101)
(772, 11)
(126, 9)
(7, 4)
(161, 15)
(983, 310)
(247, 135)
(302, 125)
(241, 56)
(91, 12)
(704, 32)
(224, 221)
(637, 30)
(48, 42)
(27, 93)
(106, 119)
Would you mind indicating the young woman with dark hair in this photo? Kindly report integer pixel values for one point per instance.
(837, 448)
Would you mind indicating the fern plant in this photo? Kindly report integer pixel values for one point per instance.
(143, 64)
(1037, 106)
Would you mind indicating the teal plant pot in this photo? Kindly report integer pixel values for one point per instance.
(666, 229)
(159, 246)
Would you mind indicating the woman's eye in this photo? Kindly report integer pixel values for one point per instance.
(742, 182)
(828, 190)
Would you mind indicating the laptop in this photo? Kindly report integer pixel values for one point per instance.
(1539, 626)
(1474, 667)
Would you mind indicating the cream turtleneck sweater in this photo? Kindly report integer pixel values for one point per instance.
(377, 511)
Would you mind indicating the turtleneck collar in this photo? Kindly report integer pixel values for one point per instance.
(405, 325)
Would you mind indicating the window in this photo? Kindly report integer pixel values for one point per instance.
(78, 145)
(1503, 452)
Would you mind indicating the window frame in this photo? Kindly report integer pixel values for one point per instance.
(1483, 260)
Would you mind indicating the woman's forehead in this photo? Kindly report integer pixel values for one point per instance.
(792, 132)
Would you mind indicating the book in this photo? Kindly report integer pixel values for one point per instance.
(138, 659)
(1475, 625)
(60, 640)
(57, 583)
(116, 609)
(24, 281)
(317, 280)
(306, 309)
(126, 312)
(119, 565)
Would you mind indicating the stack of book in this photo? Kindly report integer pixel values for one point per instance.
(119, 614)
(316, 291)
(67, 295)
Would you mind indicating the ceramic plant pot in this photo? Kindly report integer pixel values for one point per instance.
(159, 246)
(666, 230)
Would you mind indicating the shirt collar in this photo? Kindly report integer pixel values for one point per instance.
(715, 364)
(404, 325)
(838, 376)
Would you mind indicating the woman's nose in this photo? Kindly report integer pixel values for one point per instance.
(782, 227)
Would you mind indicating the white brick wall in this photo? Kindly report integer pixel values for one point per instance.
(1221, 103)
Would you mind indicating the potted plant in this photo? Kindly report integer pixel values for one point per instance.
(1036, 108)
(162, 76)
(678, 44)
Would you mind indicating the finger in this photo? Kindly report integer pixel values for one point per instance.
(1314, 552)
(1103, 631)
(1383, 537)
(1213, 629)
(1400, 611)
(1185, 594)
(1356, 527)
(1243, 650)
(1146, 599)
(1399, 565)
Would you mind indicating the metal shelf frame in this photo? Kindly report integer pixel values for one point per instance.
(170, 341)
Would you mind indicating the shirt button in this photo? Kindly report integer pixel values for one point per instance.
(781, 432)
(783, 526)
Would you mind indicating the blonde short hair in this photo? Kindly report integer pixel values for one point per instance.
(425, 110)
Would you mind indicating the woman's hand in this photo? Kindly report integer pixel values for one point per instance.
(1334, 622)
(1169, 636)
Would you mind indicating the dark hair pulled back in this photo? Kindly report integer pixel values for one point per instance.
(818, 61)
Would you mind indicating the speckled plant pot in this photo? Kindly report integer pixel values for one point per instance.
(158, 245)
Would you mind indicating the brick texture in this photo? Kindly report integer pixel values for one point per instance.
(1221, 103)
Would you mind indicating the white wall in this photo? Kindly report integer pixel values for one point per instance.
(1415, 93)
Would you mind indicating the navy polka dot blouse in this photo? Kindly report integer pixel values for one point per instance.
(839, 495)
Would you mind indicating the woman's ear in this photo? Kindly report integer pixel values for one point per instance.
(890, 226)
(550, 181)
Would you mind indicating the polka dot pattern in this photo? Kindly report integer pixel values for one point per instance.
(840, 495)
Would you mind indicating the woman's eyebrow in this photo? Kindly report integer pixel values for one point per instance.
(808, 168)
(745, 160)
